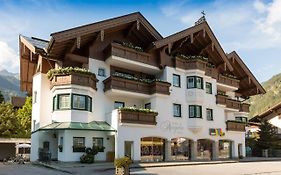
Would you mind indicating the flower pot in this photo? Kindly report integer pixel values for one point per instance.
(122, 170)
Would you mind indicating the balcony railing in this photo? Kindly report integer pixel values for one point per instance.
(74, 78)
(228, 81)
(233, 104)
(130, 54)
(120, 83)
(135, 117)
(190, 64)
(244, 107)
(235, 126)
(229, 103)
(211, 72)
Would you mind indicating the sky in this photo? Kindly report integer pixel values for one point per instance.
(250, 27)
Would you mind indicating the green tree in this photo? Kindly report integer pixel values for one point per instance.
(24, 117)
(267, 136)
(1, 97)
(9, 124)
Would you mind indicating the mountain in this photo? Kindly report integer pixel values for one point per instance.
(260, 103)
(9, 84)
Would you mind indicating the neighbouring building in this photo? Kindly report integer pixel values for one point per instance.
(149, 97)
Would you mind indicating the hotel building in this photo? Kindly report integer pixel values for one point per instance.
(153, 98)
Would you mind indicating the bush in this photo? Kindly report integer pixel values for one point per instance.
(87, 158)
(67, 71)
(122, 162)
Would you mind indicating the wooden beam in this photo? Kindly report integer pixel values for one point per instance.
(77, 58)
(191, 38)
(102, 35)
(204, 32)
(170, 45)
(131, 29)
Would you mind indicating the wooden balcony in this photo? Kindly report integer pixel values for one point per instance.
(190, 64)
(135, 117)
(119, 83)
(74, 78)
(228, 81)
(221, 99)
(228, 103)
(235, 126)
(244, 107)
(211, 72)
(233, 104)
(115, 49)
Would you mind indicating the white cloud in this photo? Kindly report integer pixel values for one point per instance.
(9, 59)
(260, 6)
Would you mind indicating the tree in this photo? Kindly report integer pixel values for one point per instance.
(9, 125)
(24, 117)
(1, 97)
(267, 136)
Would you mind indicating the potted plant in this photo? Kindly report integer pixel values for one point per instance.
(90, 153)
(60, 148)
(122, 166)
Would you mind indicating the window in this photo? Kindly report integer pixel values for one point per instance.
(194, 82)
(147, 106)
(98, 142)
(55, 103)
(209, 113)
(78, 144)
(177, 110)
(34, 96)
(118, 104)
(101, 72)
(89, 104)
(241, 119)
(176, 80)
(72, 101)
(208, 88)
(64, 101)
(79, 101)
(195, 111)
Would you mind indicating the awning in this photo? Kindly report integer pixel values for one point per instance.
(92, 126)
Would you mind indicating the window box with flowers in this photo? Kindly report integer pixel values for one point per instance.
(79, 149)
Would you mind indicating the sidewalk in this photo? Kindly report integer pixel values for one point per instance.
(103, 166)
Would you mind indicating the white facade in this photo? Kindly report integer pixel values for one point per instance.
(168, 127)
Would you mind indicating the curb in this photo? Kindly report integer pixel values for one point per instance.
(50, 167)
(259, 160)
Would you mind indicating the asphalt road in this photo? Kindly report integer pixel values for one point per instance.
(253, 168)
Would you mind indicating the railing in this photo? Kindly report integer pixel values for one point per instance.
(136, 86)
(190, 64)
(229, 103)
(130, 54)
(74, 78)
(235, 126)
(228, 81)
(233, 104)
(244, 107)
(135, 117)
(211, 72)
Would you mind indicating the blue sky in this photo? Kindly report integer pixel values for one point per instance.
(251, 27)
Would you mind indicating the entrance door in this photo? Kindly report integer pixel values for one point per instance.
(46, 146)
(240, 150)
(129, 149)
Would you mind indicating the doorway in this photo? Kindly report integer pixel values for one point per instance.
(129, 146)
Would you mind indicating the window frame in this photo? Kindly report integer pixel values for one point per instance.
(195, 107)
(210, 88)
(212, 114)
(179, 80)
(58, 101)
(104, 72)
(85, 102)
(179, 105)
(102, 141)
(78, 148)
(240, 117)
(147, 104)
(195, 82)
(120, 102)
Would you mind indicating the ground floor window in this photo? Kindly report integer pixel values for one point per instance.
(204, 149)
(79, 144)
(180, 148)
(225, 149)
(152, 149)
(98, 142)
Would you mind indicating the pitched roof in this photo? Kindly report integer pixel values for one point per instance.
(240, 66)
(93, 126)
(270, 113)
(190, 31)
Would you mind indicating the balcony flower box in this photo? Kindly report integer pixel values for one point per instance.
(137, 116)
(69, 75)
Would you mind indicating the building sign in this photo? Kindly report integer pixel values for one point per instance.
(216, 132)
(174, 127)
